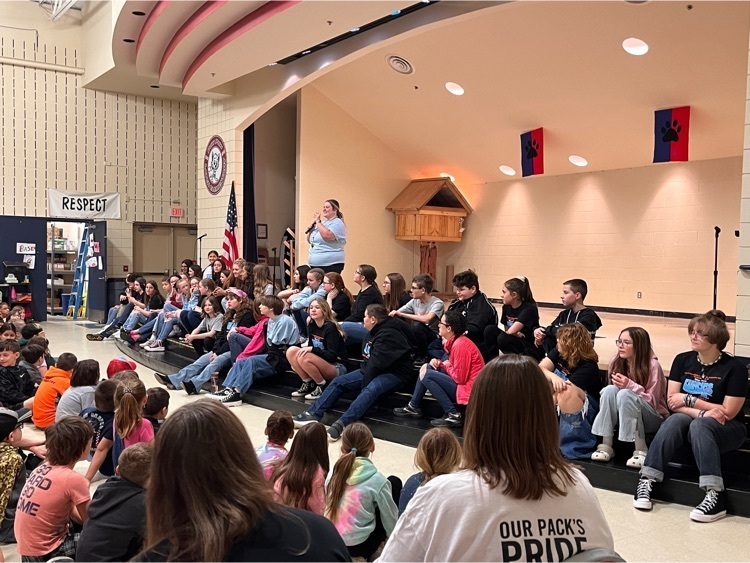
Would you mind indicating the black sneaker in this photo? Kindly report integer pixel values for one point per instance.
(315, 393)
(233, 399)
(713, 507)
(95, 337)
(305, 418)
(408, 410)
(189, 388)
(642, 497)
(305, 388)
(335, 431)
(450, 420)
(164, 380)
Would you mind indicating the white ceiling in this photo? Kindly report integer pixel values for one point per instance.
(557, 65)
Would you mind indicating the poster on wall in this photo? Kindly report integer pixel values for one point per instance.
(83, 206)
(215, 165)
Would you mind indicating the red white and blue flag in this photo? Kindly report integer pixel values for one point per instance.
(532, 152)
(671, 134)
(230, 253)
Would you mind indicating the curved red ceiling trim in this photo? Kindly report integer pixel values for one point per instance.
(161, 5)
(265, 12)
(200, 14)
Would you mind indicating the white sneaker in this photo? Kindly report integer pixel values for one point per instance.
(155, 347)
(174, 332)
(150, 342)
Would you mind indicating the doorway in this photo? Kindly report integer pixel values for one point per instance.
(158, 249)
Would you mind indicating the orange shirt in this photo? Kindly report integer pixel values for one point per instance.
(54, 384)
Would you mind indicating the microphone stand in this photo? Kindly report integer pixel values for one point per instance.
(200, 245)
(274, 265)
(716, 264)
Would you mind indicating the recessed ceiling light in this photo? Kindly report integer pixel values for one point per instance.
(354, 30)
(578, 160)
(306, 52)
(507, 170)
(454, 88)
(395, 12)
(129, 40)
(446, 175)
(272, 64)
(154, 86)
(635, 46)
(139, 13)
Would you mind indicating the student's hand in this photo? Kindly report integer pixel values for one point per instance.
(435, 363)
(676, 400)
(332, 294)
(393, 313)
(620, 381)
(189, 338)
(232, 330)
(212, 358)
(538, 336)
(39, 451)
(558, 383)
(304, 351)
(717, 414)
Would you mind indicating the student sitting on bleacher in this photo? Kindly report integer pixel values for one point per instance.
(573, 293)
(520, 315)
(365, 277)
(298, 303)
(338, 297)
(177, 299)
(423, 312)
(475, 307)
(387, 366)
(706, 393)
(450, 381)
(636, 400)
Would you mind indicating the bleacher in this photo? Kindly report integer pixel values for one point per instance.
(275, 393)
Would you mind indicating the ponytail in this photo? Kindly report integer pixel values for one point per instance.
(129, 399)
(356, 441)
(521, 286)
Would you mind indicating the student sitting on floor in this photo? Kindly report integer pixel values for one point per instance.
(157, 406)
(324, 356)
(18, 318)
(572, 370)
(279, 430)
(387, 366)
(56, 381)
(300, 479)
(129, 425)
(573, 293)
(520, 315)
(17, 389)
(8, 332)
(281, 332)
(298, 303)
(80, 394)
(361, 502)
(4, 312)
(438, 453)
(55, 494)
(29, 331)
(449, 381)
(366, 278)
(12, 469)
(423, 313)
(116, 525)
(101, 418)
(475, 307)
(32, 356)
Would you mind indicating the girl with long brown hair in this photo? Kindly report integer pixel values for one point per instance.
(236, 517)
(360, 500)
(339, 298)
(365, 276)
(395, 295)
(262, 282)
(299, 480)
(129, 426)
(572, 370)
(635, 400)
(513, 487)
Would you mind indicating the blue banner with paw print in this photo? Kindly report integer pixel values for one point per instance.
(532, 152)
(671, 134)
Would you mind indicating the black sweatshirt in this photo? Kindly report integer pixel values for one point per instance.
(479, 314)
(326, 341)
(388, 349)
(364, 298)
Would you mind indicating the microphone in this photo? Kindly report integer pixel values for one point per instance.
(311, 227)
(717, 229)
(202, 236)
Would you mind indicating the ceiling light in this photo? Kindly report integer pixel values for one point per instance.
(355, 30)
(306, 52)
(578, 160)
(272, 64)
(139, 13)
(446, 175)
(129, 40)
(507, 170)
(635, 46)
(454, 88)
(395, 12)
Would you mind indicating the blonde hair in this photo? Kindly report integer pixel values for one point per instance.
(438, 453)
(356, 441)
(261, 278)
(328, 314)
(129, 399)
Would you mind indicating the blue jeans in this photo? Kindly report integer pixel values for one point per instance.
(112, 313)
(190, 320)
(435, 350)
(708, 440)
(119, 319)
(576, 438)
(237, 344)
(355, 332)
(300, 317)
(200, 370)
(135, 318)
(441, 385)
(382, 384)
(635, 416)
(148, 327)
(245, 372)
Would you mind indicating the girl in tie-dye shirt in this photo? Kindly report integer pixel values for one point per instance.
(359, 499)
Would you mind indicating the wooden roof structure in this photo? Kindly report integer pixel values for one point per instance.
(430, 192)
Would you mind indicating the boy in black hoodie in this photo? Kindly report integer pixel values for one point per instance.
(116, 524)
(573, 293)
(476, 309)
(388, 365)
(17, 389)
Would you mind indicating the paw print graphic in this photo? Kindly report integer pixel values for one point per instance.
(532, 149)
(671, 132)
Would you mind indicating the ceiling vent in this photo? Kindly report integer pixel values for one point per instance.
(399, 64)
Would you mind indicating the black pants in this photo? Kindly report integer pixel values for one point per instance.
(338, 267)
(368, 547)
(204, 345)
(424, 335)
(496, 341)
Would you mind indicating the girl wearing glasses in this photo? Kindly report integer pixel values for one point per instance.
(635, 400)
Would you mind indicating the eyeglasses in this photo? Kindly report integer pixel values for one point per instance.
(19, 426)
(441, 323)
(623, 342)
(358, 273)
(415, 288)
(327, 283)
(696, 334)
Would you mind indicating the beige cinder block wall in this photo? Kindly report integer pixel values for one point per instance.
(340, 159)
(648, 229)
(57, 134)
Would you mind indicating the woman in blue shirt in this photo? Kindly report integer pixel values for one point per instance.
(327, 237)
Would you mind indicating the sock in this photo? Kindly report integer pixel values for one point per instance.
(608, 440)
(640, 444)
(321, 384)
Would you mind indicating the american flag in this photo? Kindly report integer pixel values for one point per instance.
(230, 253)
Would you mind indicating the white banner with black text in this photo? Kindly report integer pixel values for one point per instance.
(83, 206)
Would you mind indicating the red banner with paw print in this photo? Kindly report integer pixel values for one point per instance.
(532, 152)
(671, 134)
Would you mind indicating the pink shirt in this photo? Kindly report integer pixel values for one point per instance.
(317, 501)
(143, 432)
(45, 505)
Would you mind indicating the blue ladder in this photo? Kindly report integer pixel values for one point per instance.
(78, 290)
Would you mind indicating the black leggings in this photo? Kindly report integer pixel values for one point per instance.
(338, 267)
(368, 547)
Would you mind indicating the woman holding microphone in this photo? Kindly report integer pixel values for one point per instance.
(327, 237)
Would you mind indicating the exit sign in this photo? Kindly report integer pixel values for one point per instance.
(176, 212)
